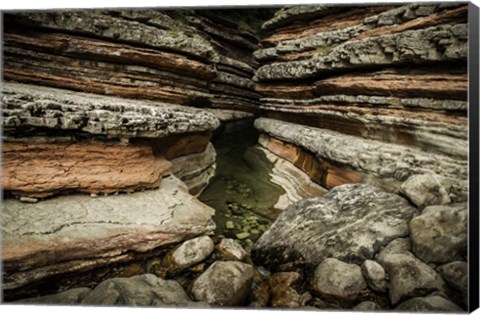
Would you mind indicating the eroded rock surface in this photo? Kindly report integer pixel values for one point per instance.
(439, 234)
(410, 277)
(224, 283)
(429, 304)
(349, 223)
(143, 290)
(79, 233)
(338, 280)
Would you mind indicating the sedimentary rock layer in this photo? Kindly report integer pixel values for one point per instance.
(78, 233)
(384, 164)
(27, 107)
(438, 44)
(39, 169)
(395, 76)
(185, 57)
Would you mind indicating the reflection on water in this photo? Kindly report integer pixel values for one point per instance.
(241, 191)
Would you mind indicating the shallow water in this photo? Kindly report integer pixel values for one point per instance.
(241, 191)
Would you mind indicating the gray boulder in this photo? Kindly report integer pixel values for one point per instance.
(338, 280)
(456, 275)
(72, 296)
(439, 234)
(410, 277)
(349, 223)
(375, 275)
(425, 190)
(143, 290)
(429, 304)
(224, 283)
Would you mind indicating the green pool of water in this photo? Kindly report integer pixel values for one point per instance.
(241, 192)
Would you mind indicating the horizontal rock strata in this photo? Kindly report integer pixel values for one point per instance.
(79, 233)
(396, 74)
(28, 107)
(183, 57)
(42, 169)
(347, 159)
(46, 151)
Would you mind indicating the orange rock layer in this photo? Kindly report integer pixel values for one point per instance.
(321, 172)
(43, 169)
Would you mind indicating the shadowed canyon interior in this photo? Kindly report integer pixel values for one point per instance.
(307, 157)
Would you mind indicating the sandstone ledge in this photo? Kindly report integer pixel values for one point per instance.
(79, 233)
(39, 169)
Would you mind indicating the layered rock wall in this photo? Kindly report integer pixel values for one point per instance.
(182, 57)
(370, 77)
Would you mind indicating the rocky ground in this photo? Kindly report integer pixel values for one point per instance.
(348, 191)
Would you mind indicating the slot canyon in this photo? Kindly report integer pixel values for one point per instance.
(298, 157)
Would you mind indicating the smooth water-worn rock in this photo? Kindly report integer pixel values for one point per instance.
(195, 170)
(429, 304)
(439, 234)
(72, 296)
(410, 277)
(374, 275)
(143, 290)
(338, 280)
(349, 223)
(425, 190)
(191, 252)
(77, 233)
(224, 283)
(348, 159)
(230, 249)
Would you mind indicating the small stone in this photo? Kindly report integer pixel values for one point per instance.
(375, 275)
(242, 236)
(224, 283)
(93, 195)
(229, 225)
(367, 306)
(231, 250)
(339, 280)
(255, 231)
(191, 252)
(28, 199)
(246, 228)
